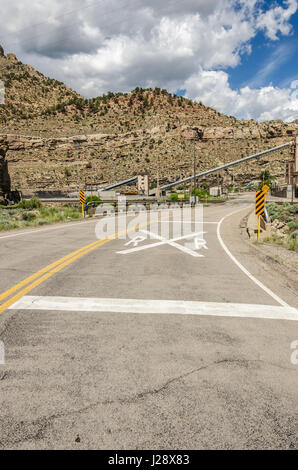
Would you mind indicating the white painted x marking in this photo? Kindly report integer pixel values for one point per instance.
(164, 241)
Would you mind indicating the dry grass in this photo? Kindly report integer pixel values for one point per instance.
(33, 214)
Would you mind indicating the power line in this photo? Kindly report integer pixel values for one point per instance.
(73, 24)
(64, 28)
(89, 5)
(57, 17)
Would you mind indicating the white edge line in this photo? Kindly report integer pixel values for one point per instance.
(243, 269)
(61, 226)
(56, 227)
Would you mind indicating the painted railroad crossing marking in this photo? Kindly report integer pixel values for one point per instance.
(197, 242)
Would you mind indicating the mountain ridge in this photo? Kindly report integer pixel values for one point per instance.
(140, 130)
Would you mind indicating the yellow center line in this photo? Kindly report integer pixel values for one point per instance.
(21, 284)
(46, 276)
(55, 267)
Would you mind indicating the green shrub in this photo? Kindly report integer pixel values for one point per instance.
(293, 244)
(33, 203)
(49, 211)
(74, 215)
(59, 217)
(201, 193)
(173, 197)
(28, 216)
(92, 198)
(293, 225)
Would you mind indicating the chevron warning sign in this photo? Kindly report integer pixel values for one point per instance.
(260, 202)
(82, 197)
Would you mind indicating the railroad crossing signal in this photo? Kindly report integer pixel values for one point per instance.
(82, 200)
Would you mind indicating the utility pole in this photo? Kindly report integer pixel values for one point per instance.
(94, 180)
(194, 170)
(157, 180)
(78, 167)
(292, 166)
(295, 169)
(79, 175)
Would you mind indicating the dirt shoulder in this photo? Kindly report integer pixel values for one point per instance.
(279, 257)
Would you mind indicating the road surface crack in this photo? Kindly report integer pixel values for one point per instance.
(44, 422)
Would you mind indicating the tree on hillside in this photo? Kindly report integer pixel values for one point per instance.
(266, 178)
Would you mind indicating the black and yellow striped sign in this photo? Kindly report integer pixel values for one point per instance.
(260, 202)
(82, 197)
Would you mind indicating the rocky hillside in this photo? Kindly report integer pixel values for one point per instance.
(28, 93)
(50, 129)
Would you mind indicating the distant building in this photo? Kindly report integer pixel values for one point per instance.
(292, 170)
(143, 184)
(215, 191)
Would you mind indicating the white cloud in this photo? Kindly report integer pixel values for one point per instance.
(96, 46)
(276, 19)
(213, 89)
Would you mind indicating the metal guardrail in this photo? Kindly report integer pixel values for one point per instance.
(138, 205)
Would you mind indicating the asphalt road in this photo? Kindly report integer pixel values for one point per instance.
(172, 346)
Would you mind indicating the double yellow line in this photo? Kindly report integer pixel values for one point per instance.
(54, 268)
(46, 273)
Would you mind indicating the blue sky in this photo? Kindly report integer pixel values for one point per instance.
(270, 62)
